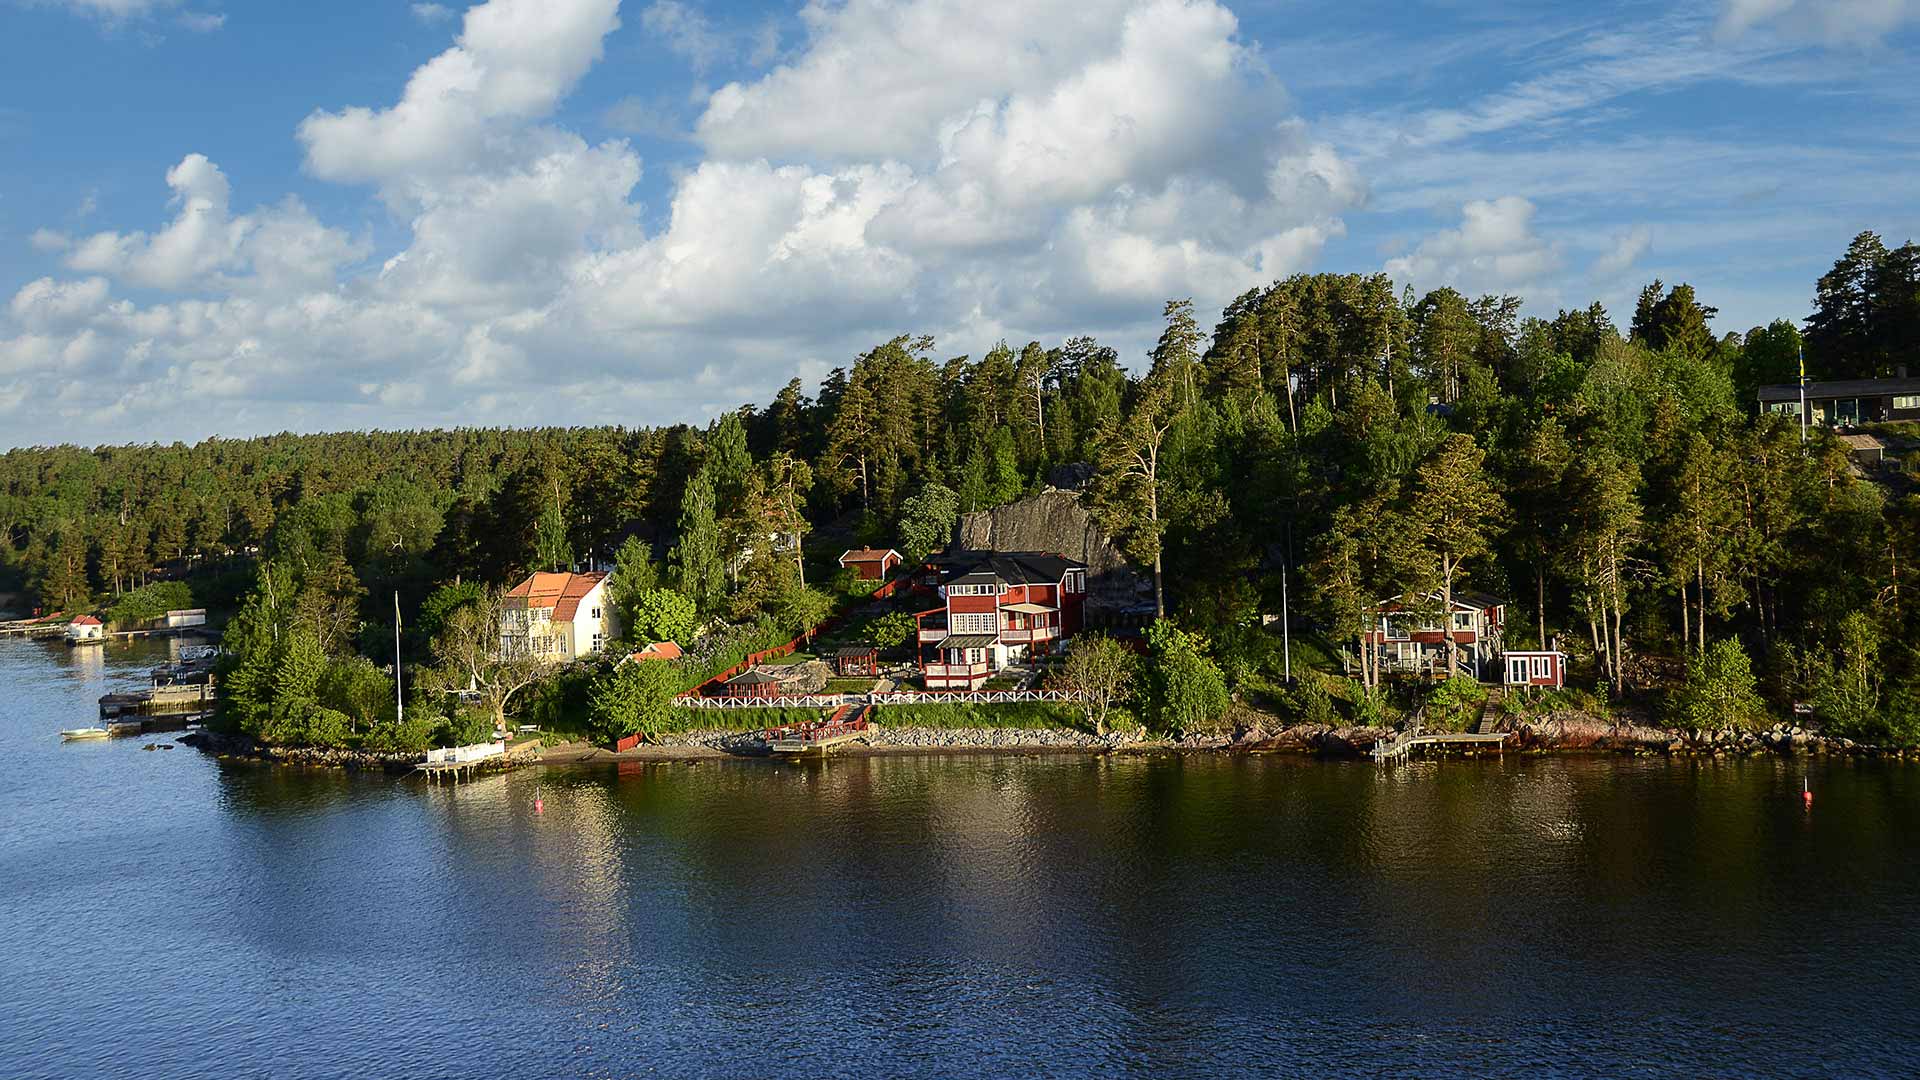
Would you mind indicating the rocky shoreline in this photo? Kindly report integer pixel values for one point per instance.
(1569, 733)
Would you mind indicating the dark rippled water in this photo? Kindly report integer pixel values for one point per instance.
(166, 915)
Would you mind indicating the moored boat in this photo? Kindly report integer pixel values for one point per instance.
(73, 734)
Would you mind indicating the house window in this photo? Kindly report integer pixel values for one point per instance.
(594, 614)
(1076, 581)
(1462, 621)
(1517, 669)
(1542, 666)
(598, 641)
(974, 623)
(1906, 401)
(1788, 406)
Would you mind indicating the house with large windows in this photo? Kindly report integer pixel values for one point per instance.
(1846, 403)
(557, 616)
(997, 608)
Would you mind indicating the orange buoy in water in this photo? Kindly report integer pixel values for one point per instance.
(1806, 794)
(540, 806)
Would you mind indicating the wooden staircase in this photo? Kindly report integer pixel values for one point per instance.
(1489, 720)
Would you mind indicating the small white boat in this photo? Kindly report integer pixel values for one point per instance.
(84, 733)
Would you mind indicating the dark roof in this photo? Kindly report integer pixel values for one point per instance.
(1840, 388)
(1477, 599)
(1012, 567)
(966, 641)
(855, 652)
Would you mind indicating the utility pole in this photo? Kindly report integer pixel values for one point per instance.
(399, 701)
(1286, 616)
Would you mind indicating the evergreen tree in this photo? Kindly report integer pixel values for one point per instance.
(699, 569)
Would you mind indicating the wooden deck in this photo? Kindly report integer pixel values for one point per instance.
(1402, 745)
(847, 724)
(159, 701)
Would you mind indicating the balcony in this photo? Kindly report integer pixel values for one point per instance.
(930, 633)
(1026, 636)
(955, 671)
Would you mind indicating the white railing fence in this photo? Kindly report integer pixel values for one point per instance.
(831, 701)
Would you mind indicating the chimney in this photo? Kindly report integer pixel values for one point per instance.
(1900, 372)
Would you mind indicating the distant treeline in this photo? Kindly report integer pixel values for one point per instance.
(1612, 481)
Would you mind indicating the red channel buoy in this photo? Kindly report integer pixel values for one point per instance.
(540, 805)
(1806, 794)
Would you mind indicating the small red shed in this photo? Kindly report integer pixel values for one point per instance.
(871, 564)
(1546, 668)
(753, 684)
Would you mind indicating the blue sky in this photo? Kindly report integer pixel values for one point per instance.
(219, 218)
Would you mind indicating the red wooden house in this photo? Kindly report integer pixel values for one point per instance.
(1413, 640)
(871, 564)
(999, 607)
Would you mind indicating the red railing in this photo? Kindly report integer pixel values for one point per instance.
(886, 589)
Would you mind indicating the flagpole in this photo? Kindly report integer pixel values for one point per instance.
(399, 702)
(1803, 393)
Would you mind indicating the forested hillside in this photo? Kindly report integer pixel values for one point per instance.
(1608, 477)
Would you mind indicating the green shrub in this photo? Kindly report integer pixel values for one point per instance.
(150, 601)
(1720, 691)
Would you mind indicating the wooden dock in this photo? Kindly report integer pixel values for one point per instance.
(1403, 744)
(33, 628)
(847, 724)
(459, 763)
(159, 701)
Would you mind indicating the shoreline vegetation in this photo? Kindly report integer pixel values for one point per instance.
(1575, 734)
(1340, 509)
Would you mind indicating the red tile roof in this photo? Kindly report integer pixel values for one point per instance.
(561, 592)
(659, 650)
(86, 620)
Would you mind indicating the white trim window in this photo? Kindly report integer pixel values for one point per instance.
(1075, 582)
(971, 622)
(1541, 667)
(1906, 401)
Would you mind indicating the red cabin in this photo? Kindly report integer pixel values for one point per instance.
(871, 564)
(1546, 669)
(753, 684)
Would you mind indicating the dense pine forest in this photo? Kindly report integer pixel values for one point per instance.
(1610, 477)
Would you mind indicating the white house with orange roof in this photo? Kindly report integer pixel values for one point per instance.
(557, 616)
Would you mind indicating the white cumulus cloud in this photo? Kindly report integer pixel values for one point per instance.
(1494, 248)
(1012, 169)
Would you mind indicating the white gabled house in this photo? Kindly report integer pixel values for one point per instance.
(557, 617)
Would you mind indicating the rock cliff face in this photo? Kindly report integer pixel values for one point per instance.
(1051, 521)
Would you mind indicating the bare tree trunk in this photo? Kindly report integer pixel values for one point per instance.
(1686, 625)
(1700, 575)
(1540, 598)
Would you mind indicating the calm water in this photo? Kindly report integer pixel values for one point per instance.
(166, 915)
